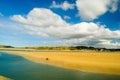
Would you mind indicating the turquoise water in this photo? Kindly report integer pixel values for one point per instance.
(19, 68)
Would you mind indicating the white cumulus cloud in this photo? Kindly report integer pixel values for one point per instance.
(65, 5)
(92, 9)
(44, 22)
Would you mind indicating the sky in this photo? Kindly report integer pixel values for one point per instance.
(60, 23)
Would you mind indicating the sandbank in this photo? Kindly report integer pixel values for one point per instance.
(88, 61)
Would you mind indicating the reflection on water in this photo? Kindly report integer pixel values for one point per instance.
(18, 68)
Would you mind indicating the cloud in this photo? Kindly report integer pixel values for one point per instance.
(78, 42)
(65, 5)
(89, 10)
(83, 33)
(114, 5)
(67, 17)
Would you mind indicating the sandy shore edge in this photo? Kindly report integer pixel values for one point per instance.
(4, 78)
(87, 62)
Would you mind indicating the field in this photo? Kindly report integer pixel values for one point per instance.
(89, 61)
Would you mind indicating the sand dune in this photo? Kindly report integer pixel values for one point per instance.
(90, 61)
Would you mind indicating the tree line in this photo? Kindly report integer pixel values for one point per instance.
(70, 48)
(63, 48)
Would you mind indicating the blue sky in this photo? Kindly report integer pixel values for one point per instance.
(60, 22)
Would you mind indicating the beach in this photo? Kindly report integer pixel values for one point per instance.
(88, 61)
(4, 78)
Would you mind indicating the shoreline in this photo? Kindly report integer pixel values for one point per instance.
(4, 78)
(108, 63)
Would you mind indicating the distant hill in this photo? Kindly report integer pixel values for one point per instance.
(4, 46)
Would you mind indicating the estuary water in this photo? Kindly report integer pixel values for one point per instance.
(19, 68)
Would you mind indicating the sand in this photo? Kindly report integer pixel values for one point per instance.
(4, 78)
(88, 61)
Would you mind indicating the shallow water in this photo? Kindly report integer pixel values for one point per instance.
(19, 68)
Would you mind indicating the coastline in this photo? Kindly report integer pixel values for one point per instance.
(95, 62)
(4, 78)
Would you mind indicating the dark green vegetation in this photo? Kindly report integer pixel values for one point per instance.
(3, 46)
(70, 48)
